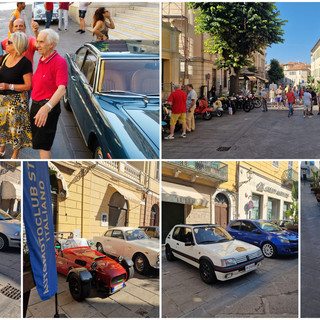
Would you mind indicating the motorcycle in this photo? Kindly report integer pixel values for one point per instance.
(202, 108)
(223, 104)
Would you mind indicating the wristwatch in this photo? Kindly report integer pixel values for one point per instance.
(11, 86)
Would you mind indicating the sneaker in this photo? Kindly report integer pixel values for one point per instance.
(304, 116)
(59, 29)
(82, 31)
(65, 30)
(169, 137)
(183, 135)
(79, 30)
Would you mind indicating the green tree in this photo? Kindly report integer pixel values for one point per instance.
(237, 30)
(293, 211)
(275, 72)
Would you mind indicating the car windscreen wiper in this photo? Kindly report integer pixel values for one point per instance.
(128, 92)
(207, 241)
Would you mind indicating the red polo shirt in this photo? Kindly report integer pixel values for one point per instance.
(50, 74)
(179, 101)
(31, 48)
(49, 6)
(290, 96)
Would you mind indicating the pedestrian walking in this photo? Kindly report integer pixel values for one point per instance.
(83, 7)
(178, 102)
(264, 97)
(191, 105)
(272, 97)
(100, 25)
(283, 100)
(48, 6)
(290, 99)
(49, 85)
(279, 96)
(314, 98)
(16, 14)
(307, 103)
(15, 81)
(63, 14)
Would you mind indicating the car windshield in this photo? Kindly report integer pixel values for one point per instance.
(73, 243)
(268, 226)
(127, 77)
(135, 235)
(4, 215)
(211, 234)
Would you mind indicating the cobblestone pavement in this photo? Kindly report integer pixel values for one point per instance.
(10, 273)
(310, 254)
(271, 291)
(139, 299)
(254, 135)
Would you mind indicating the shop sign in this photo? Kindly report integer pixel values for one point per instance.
(261, 187)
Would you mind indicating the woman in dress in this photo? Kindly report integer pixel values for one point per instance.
(100, 25)
(15, 81)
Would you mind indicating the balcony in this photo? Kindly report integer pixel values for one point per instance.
(288, 177)
(215, 171)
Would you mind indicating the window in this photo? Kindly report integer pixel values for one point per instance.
(157, 173)
(176, 234)
(117, 234)
(225, 78)
(275, 164)
(80, 56)
(248, 226)
(235, 225)
(104, 219)
(186, 235)
(89, 67)
(255, 211)
(108, 233)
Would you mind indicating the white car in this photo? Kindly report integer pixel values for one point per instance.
(39, 13)
(211, 249)
(130, 243)
(10, 231)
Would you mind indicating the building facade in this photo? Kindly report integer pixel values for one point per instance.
(315, 61)
(307, 169)
(296, 74)
(89, 197)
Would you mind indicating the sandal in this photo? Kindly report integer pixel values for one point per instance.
(2, 153)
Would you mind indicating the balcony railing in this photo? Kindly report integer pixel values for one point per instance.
(215, 169)
(289, 176)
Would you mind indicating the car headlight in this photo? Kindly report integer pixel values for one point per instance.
(17, 234)
(283, 239)
(228, 262)
(120, 259)
(158, 258)
(39, 11)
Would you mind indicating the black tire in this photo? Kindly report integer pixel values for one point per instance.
(169, 254)
(246, 107)
(219, 113)
(207, 115)
(97, 151)
(99, 247)
(207, 273)
(4, 243)
(65, 102)
(257, 103)
(78, 289)
(130, 272)
(141, 263)
(269, 250)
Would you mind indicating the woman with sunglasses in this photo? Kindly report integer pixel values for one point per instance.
(15, 81)
(100, 26)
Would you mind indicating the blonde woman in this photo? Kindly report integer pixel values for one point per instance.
(15, 81)
(100, 26)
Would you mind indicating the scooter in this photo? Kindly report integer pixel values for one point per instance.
(202, 108)
(165, 123)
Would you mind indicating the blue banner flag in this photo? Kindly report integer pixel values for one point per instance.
(38, 220)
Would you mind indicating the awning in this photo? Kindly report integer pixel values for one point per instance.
(11, 190)
(262, 79)
(251, 78)
(63, 188)
(128, 195)
(177, 193)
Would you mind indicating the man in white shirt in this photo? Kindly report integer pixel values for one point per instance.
(307, 103)
(191, 105)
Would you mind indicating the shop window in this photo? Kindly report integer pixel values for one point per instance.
(255, 211)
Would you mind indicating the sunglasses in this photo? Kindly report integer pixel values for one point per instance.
(10, 42)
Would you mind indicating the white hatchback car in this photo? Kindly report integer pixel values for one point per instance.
(211, 249)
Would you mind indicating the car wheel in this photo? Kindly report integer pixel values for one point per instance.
(78, 289)
(206, 272)
(207, 115)
(141, 263)
(99, 247)
(97, 151)
(269, 250)
(4, 244)
(65, 102)
(169, 254)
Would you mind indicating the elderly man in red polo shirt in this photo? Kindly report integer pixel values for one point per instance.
(49, 85)
(177, 100)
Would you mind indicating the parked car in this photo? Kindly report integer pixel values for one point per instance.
(269, 237)
(286, 225)
(10, 231)
(211, 249)
(39, 13)
(113, 91)
(132, 243)
(151, 231)
(85, 268)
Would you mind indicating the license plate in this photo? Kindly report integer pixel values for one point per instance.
(118, 287)
(250, 267)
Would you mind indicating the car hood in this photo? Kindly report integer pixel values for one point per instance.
(12, 224)
(290, 235)
(152, 244)
(230, 249)
(136, 121)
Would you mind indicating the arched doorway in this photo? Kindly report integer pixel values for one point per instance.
(118, 209)
(154, 218)
(221, 210)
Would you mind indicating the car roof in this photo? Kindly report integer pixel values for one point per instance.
(254, 220)
(125, 48)
(197, 225)
(124, 228)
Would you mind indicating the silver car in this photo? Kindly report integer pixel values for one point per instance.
(10, 231)
(39, 13)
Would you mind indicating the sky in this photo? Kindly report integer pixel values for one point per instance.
(302, 31)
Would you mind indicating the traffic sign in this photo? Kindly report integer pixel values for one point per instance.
(250, 204)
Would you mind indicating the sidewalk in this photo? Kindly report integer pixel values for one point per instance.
(310, 253)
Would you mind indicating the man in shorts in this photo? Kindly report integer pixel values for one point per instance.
(307, 103)
(83, 7)
(178, 102)
(279, 96)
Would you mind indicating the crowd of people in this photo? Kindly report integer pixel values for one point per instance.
(30, 99)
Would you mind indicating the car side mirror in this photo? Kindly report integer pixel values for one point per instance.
(189, 244)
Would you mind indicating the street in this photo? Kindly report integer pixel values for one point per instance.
(254, 135)
(10, 275)
(68, 143)
(271, 291)
(310, 254)
(139, 299)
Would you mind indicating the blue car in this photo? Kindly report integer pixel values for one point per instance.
(114, 91)
(271, 239)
